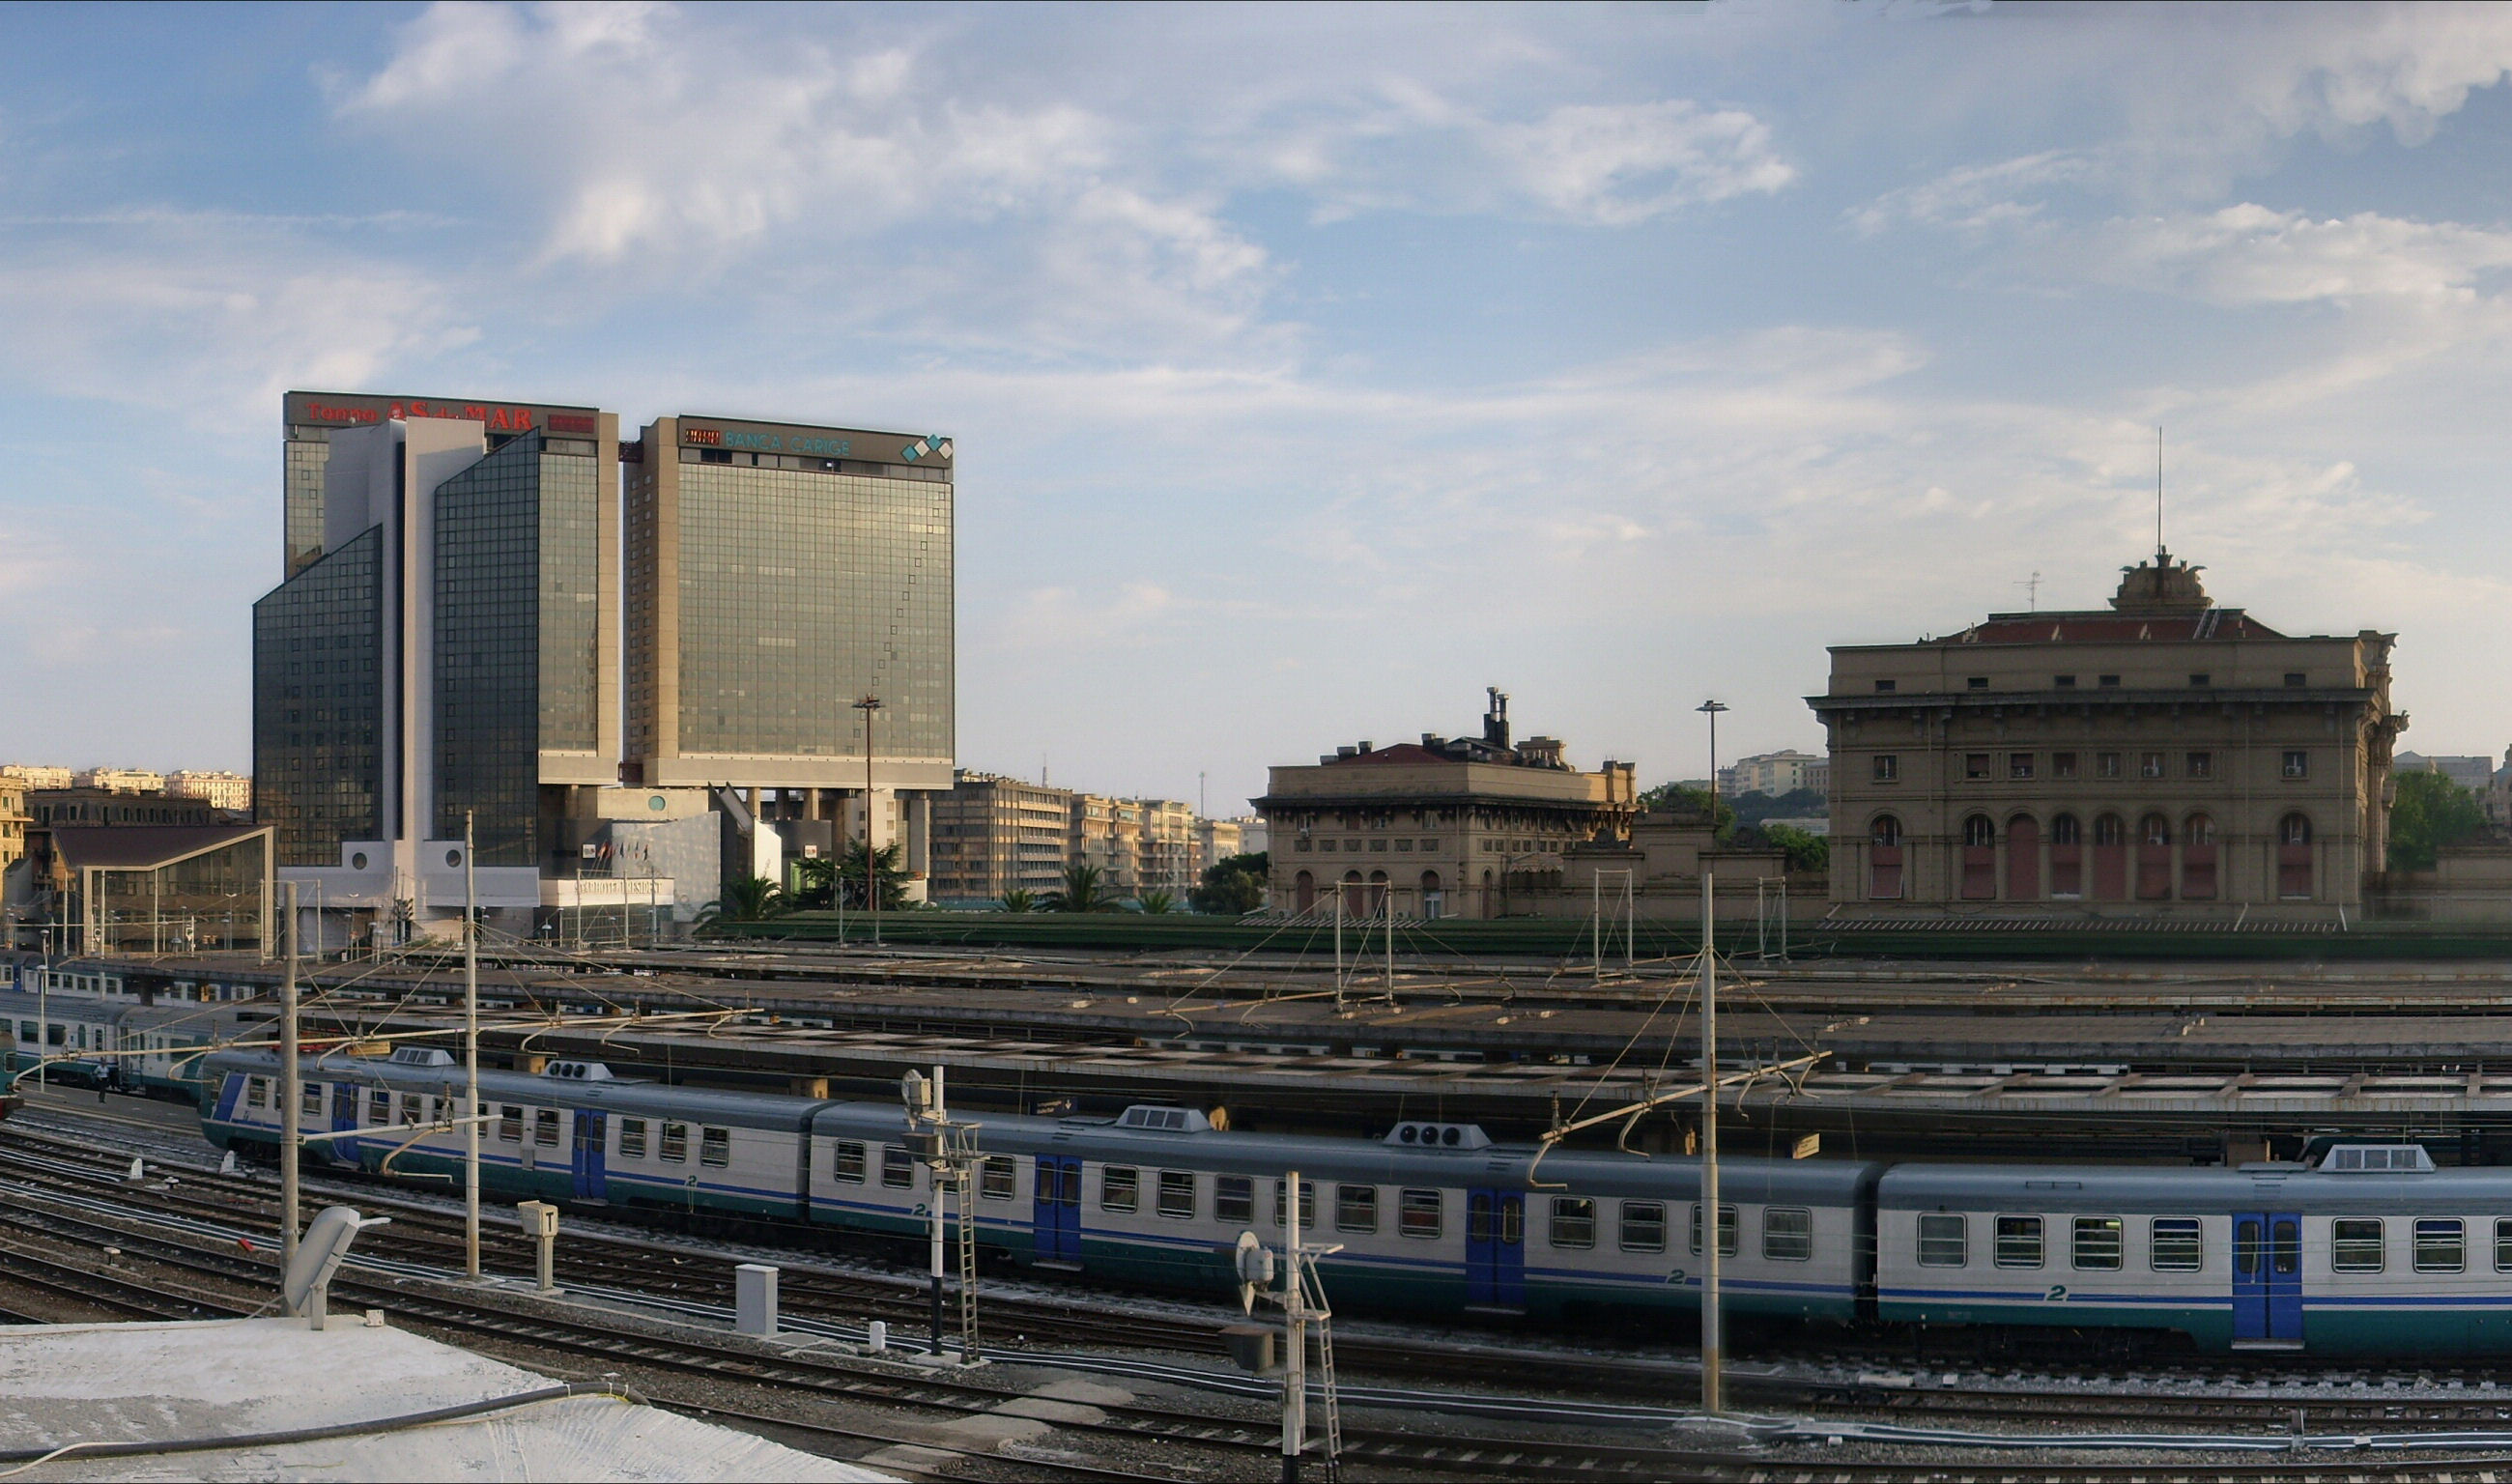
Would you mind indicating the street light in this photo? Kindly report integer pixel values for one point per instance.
(1711, 708)
(869, 705)
(1712, 1337)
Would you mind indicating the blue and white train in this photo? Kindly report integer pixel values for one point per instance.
(2368, 1250)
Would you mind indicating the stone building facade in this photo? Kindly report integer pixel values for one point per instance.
(2164, 757)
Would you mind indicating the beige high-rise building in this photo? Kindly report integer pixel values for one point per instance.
(224, 791)
(1164, 845)
(13, 820)
(2161, 756)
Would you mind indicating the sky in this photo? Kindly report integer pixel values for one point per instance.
(1310, 367)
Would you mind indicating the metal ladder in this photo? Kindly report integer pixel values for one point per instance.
(964, 1186)
(1322, 1379)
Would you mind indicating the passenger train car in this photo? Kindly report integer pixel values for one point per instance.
(2369, 1250)
(1435, 1218)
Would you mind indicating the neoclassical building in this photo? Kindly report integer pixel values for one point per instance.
(2163, 757)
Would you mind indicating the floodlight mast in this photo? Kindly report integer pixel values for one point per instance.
(471, 1055)
(290, 1097)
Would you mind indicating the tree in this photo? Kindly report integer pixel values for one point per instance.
(1020, 899)
(2429, 812)
(885, 869)
(1234, 885)
(1157, 902)
(1084, 890)
(1687, 803)
(746, 899)
(1805, 851)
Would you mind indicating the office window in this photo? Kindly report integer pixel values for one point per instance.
(2442, 1246)
(676, 1143)
(545, 1128)
(1884, 688)
(2106, 764)
(2296, 678)
(2098, 1243)
(2200, 677)
(1643, 1225)
(1978, 682)
(2112, 680)
(999, 1178)
(2019, 765)
(715, 1147)
(1943, 1240)
(2063, 681)
(1574, 1222)
(1234, 1200)
(2063, 764)
(2019, 1241)
(2297, 765)
(632, 1138)
(2199, 764)
(1975, 765)
(1177, 1194)
(2355, 1244)
(1888, 767)
(898, 1167)
(2174, 1244)
(1726, 1230)
(1418, 1213)
(846, 1162)
(1787, 1234)
(1119, 1189)
(2149, 765)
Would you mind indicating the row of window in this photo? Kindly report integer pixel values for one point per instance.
(2294, 679)
(2176, 1244)
(1354, 846)
(2197, 763)
(1979, 831)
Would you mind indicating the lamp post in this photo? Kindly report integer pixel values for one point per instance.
(1713, 1339)
(870, 705)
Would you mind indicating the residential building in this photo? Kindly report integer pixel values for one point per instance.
(1164, 845)
(121, 780)
(37, 775)
(1101, 833)
(778, 575)
(1775, 774)
(86, 805)
(2165, 756)
(1217, 841)
(447, 659)
(13, 820)
(2472, 772)
(993, 835)
(1446, 827)
(232, 792)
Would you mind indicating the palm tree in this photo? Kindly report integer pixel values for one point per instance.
(1157, 902)
(1082, 891)
(747, 899)
(886, 869)
(1020, 899)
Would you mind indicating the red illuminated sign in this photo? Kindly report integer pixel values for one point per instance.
(712, 438)
(571, 423)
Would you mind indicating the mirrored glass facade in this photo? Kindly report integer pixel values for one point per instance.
(309, 451)
(317, 716)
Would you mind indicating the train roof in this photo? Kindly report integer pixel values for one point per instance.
(2112, 1189)
(730, 1109)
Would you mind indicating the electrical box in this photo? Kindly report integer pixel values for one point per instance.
(541, 1218)
(1251, 1347)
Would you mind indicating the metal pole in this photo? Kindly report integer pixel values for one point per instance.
(470, 1057)
(872, 895)
(934, 1205)
(1712, 1396)
(291, 1109)
(1295, 1319)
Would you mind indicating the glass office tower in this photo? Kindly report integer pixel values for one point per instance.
(776, 573)
(317, 713)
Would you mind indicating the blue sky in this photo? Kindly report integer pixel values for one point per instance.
(1310, 368)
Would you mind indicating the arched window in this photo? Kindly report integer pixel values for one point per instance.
(1884, 858)
(2154, 830)
(2198, 830)
(2110, 830)
(2064, 831)
(2294, 857)
(1978, 859)
(2154, 859)
(2198, 859)
(1304, 890)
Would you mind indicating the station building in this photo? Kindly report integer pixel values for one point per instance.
(2162, 757)
(1471, 827)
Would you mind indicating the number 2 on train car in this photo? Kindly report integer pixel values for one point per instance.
(1495, 1249)
(2268, 1279)
(1056, 1210)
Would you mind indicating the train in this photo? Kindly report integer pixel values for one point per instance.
(2367, 1248)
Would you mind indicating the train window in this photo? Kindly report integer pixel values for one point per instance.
(1643, 1225)
(1418, 1213)
(632, 1138)
(379, 1106)
(310, 1100)
(2355, 1244)
(2441, 1245)
(846, 1162)
(2503, 1245)
(2174, 1245)
(2019, 1241)
(1177, 1194)
(412, 1105)
(676, 1143)
(510, 1124)
(1308, 1205)
(2098, 1243)
(999, 1178)
(545, 1128)
(715, 1147)
(1357, 1208)
(1119, 1188)
(897, 1168)
(1787, 1234)
(1234, 1200)
(256, 1092)
(1727, 1240)
(1574, 1220)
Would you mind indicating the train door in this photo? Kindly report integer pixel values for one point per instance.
(1495, 1249)
(2268, 1279)
(1056, 1210)
(344, 1116)
(592, 1162)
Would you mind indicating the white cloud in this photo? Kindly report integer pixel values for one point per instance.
(2253, 254)
(1614, 165)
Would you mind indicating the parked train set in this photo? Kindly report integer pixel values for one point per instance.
(2369, 1249)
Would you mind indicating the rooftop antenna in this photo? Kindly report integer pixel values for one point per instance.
(2032, 593)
